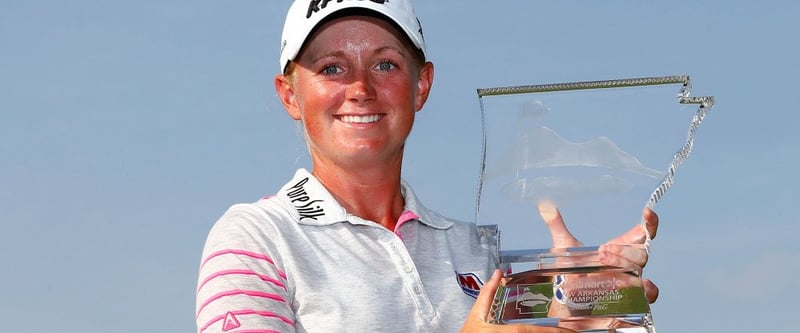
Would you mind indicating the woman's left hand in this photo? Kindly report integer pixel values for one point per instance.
(628, 250)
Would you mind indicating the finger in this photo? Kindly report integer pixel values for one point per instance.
(632, 257)
(650, 291)
(651, 222)
(561, 236)
(480, 310)
(637, 234)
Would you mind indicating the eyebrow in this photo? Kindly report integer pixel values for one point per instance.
(327, 55)
(382, 49)
(390, 48)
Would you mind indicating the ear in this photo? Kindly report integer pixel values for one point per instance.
(285, 89)
(424, 83)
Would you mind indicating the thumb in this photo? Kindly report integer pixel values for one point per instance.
(562, 238)
(480, 310)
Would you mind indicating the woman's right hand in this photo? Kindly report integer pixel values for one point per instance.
(476, 320)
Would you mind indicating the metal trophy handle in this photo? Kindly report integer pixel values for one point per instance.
(596, 150)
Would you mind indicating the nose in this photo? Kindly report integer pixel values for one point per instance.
(361, 88)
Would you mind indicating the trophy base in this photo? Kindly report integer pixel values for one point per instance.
(632, 323)
(570, 288)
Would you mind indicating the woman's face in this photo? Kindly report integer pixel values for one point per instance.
(356, 88)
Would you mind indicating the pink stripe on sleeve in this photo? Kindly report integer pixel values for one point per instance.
(242, 253)
(263, 277)
(247, 312)
(239, 292)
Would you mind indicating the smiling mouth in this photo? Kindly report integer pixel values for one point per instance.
(360, 119)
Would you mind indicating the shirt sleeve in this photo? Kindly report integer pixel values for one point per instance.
(241, 286)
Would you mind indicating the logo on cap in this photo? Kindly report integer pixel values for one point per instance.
(315, 5)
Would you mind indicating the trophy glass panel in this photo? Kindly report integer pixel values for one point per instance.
(600, 152)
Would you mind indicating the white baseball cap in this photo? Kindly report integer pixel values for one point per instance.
(305, 15)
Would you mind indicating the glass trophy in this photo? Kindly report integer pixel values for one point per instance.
(598, 153)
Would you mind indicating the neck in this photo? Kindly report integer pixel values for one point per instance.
(370, 193)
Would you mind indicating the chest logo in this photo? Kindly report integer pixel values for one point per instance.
(470, 283)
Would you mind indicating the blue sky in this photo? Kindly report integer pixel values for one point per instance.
(127, 128)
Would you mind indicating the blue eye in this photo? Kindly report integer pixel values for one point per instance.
(330, 70)
(386, 66)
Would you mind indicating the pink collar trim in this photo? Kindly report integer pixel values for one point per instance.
(405, 217)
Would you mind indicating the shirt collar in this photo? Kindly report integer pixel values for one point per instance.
(312, 204)
(427, 217)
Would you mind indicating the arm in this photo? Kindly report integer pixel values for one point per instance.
(240, 283)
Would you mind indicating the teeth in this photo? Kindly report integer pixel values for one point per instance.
(360, 119)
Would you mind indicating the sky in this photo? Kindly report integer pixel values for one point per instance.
(128, 128)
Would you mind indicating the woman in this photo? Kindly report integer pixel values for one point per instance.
(348, 247)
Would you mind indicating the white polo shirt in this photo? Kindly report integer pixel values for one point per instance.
(298, 262)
